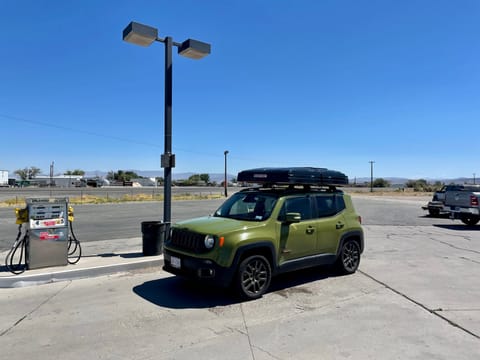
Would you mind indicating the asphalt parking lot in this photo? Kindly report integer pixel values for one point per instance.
(415, 296)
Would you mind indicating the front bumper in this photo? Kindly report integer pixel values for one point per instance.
(196, 268)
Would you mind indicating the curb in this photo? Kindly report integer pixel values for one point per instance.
(16, 281)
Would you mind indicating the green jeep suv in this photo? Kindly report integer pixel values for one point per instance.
(289, 222)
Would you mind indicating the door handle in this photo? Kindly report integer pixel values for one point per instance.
(339, 225)
(310, 230)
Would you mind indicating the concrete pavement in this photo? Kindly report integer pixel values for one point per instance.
(415, 296)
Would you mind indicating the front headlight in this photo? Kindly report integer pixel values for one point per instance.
(209, 241)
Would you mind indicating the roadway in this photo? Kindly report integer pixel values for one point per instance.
(112, 192)
(123, 220)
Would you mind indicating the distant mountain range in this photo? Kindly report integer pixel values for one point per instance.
(402, 181)
(219, 177)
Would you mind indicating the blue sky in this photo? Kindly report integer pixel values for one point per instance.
(330, 83)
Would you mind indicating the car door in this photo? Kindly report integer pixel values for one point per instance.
(298, 239)
(329, 221)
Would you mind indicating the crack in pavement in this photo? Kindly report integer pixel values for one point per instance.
(435, 312)
(430, 236)
(471, 260)
(454, 246)
(35, 309)
(453, 310)
(247, 333)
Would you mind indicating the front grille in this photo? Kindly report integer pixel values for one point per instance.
(188, 240)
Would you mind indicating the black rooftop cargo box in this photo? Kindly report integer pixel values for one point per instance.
(293, 175)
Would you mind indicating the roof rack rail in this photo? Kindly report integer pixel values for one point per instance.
(293, 176)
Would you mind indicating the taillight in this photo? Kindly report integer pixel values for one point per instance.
(359, 219)
(473, 200)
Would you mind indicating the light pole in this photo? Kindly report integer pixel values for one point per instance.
(474, 179)
(225, 180)
(145, 35)
(371, 175)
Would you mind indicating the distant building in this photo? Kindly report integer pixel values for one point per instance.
(144, 182)
(3, 178)
(58, 181)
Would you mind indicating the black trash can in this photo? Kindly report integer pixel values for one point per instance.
(153, 235)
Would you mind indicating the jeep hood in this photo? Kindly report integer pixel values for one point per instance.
(217, 225)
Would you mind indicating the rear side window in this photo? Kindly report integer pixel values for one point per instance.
(329, 205)
(301, 205)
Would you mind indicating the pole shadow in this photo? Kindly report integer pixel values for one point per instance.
(111, 255)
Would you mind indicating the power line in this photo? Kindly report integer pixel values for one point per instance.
(76, 130)
(116, 138)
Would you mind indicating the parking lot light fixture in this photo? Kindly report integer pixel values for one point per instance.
(144, 35)
(140, 34)
(194, 49)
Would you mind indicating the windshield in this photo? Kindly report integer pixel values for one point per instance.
(254, 206)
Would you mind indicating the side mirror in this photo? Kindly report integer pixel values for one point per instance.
(293, 218)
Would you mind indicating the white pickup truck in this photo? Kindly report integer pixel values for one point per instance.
(462, 202)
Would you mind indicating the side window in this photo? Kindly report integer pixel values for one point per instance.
(325, 205)
(329, 205)
(297, 205)
(340, 203)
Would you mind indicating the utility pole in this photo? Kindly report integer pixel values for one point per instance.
(371, 175)
(225, 181)
(474, 178)
(51, 173)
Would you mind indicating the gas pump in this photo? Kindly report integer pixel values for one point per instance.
(47, 240)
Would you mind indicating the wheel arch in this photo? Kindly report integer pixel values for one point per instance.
(356, 235)
(263, 248)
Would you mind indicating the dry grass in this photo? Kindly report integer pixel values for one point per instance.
(392, 193)
(91, 199)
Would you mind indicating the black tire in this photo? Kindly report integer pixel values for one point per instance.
(349, 257)
(253, 277)
(470, 219)
(434, 212)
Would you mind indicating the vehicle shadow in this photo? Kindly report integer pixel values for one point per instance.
(178, 293)
(458, 227)
(438, 216)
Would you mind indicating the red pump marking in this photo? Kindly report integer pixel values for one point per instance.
(46, 236)
(473, 200)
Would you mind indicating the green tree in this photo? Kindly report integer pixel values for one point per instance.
(194, 179)
(28, 173)
(437, 185)
(381, 183)
(419, 185)
(122, 175)
(205, 177)
(75, 172)
(198, 179)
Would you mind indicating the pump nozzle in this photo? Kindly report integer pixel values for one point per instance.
(22, 215)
